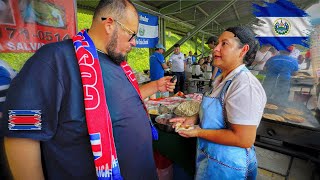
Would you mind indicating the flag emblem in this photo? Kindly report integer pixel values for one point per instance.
(281, 26)
(95, 140)
(24, 120)
(141, 31)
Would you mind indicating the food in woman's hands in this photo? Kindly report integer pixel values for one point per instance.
(180, 127)
(187, 108)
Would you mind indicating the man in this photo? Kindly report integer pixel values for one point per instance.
(190, 59)
(279, 69)
(157, 63)
(294, 51)
(178, 66)
(51, 89)
(308, 59)
(215, 70)
(6, 75)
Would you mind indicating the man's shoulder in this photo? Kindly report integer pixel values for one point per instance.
(177, 55)
(278, 57)
(61, 45)
(55, 55)
(156, 56)
(55, 51)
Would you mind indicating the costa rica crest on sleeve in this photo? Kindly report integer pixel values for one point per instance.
(24, 120)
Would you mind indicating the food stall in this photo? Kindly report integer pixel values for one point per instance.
(287, 128)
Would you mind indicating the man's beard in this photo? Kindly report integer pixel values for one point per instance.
(115, 57)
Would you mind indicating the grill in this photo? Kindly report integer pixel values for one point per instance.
(304, 81)
(295, 139)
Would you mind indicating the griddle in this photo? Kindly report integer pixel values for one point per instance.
(296, 139)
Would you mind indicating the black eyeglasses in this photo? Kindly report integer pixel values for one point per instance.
(129, 31)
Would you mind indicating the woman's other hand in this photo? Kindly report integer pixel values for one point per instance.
(190, 133)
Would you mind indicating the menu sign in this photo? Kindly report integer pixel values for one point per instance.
(26, 25)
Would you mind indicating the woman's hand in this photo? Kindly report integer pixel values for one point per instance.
(190, 133)
(186, 122)
(164, 84)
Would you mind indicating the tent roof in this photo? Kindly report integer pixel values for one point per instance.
(181, 16)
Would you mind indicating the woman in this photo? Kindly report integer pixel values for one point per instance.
(230, 113)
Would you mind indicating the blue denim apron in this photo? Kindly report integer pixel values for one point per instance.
(216, 161)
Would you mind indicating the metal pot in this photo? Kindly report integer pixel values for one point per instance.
(162, 123)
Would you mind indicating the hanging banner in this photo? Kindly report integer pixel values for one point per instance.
(148, 33)
(26, 25)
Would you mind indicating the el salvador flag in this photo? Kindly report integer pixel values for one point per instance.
(282, 24)
(148, 33)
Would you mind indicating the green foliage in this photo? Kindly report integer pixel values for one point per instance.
(138, 58)
(16, 61)
(84, 19)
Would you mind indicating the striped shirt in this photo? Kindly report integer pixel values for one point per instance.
(6, 75)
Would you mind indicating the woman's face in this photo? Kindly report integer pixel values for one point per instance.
(201, 61)
(228, 54)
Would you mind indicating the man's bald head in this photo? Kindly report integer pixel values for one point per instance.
(115, 8)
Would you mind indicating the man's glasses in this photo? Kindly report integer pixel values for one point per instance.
(129, 31)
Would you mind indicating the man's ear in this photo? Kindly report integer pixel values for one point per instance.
(244, 50)
(109, 25)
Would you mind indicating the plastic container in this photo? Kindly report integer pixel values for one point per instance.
(154, 110)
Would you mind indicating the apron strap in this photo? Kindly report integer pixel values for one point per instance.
(224, 90)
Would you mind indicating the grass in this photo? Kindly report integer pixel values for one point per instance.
(138, 58)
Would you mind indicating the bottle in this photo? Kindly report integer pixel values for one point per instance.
(165, 94)
(158, 94)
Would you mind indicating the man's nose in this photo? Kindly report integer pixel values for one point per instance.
(133, 42)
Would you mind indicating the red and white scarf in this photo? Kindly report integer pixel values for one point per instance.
(97, 114)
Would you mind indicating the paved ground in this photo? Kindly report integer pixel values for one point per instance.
(277, 166)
